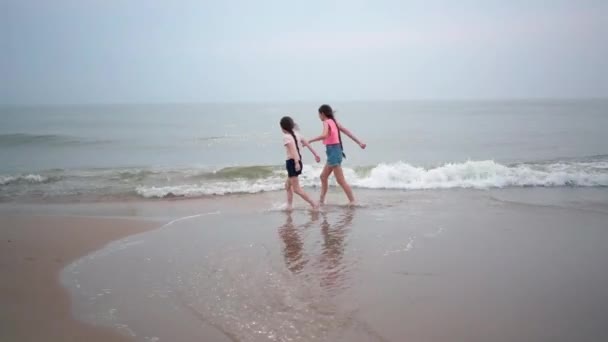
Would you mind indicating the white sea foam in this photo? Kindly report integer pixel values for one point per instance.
(160, 183)
(482, 175)
(32, 179)
(471, 174)
(209, 188)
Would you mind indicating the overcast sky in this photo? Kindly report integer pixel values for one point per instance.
(105, 51)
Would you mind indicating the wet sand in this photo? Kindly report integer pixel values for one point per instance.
(35, 307)
(458, 265)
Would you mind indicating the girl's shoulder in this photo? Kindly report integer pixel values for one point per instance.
(331, 124)
(288, 138)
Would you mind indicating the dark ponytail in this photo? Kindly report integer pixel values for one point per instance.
(329, 113)
(288, 125)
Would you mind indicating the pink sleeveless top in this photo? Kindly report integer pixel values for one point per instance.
(333, 137)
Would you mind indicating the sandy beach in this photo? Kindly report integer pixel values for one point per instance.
(466, 265)
(35, 307)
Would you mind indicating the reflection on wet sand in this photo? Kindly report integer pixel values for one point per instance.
(293, 244)
(332, 255)
(325, 267)
(330, 259)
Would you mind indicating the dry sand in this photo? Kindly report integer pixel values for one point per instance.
(35, 307)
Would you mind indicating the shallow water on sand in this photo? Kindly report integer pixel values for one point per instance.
(440, 266)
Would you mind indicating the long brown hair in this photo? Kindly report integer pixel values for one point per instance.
(329, 114)
(289, 125)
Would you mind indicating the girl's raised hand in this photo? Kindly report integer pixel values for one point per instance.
(362, 145)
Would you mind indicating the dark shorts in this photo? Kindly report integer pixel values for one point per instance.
(290, 165)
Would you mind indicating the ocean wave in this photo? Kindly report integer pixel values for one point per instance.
(196, 182)
(21, 139)
(131, 175)
(246, 172)
(26, 179)
(198, 190)
(258, 137)
(483, 175)
(402, 176)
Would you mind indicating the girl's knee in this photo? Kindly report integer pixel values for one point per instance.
(343, 183)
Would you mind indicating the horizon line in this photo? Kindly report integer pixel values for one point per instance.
(228, 102)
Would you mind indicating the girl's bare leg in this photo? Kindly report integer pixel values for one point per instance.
(295, 185)
(347, 189)
(289, 190)
(327, 170)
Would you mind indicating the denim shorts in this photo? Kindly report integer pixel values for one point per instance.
(334, 154)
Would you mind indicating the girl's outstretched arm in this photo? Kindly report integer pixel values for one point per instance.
(312, 150)
(352, 136)
(323, 135)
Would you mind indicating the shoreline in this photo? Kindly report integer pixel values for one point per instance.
(35, 249)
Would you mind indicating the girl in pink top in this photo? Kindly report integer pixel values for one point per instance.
(332, 140)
